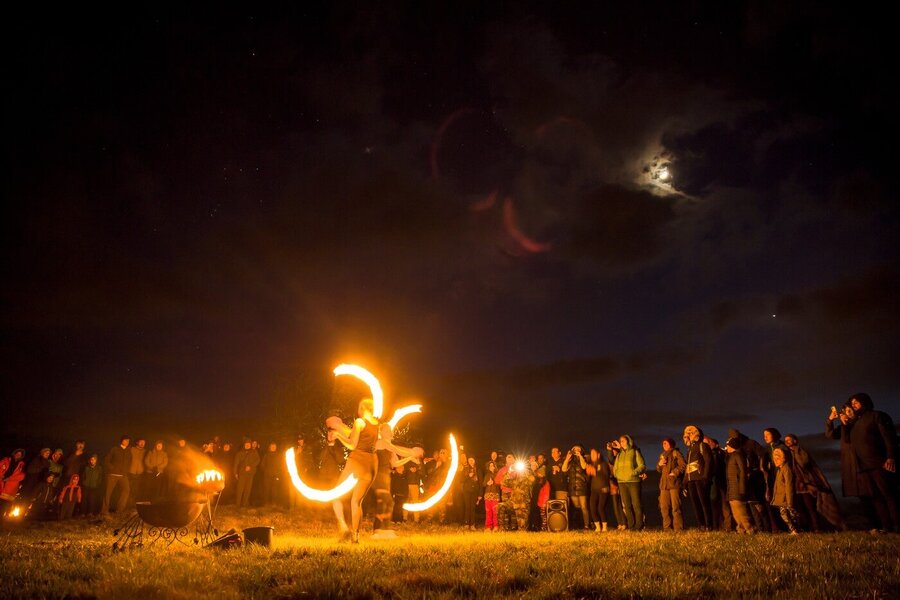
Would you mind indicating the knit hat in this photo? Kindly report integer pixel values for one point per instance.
(733, 433)
(733, 443)
(58, 451)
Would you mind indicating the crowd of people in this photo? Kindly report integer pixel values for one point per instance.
(742, 486)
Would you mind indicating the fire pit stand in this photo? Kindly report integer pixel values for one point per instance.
(169, 521)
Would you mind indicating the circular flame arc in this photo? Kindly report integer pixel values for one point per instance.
(370, 380)
(334, 493)
(451, 473)
(400, 413)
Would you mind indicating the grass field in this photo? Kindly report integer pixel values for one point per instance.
(75, 559)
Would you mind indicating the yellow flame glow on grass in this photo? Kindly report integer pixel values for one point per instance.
(451, 473)
(400, 413)
(370, 380)
(334, 493)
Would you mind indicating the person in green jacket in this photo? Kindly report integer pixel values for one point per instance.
(91, 485)
(628, 468)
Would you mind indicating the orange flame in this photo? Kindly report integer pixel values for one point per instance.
(209, 475)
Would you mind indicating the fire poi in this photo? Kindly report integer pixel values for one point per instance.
(361, 440)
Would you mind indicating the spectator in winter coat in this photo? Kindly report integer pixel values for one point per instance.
(34, 473)
(838, 426)
(56, 466)
(874, 442)
(90, 486)
(811, 486)
(471, 492)
(12, 474)
(783, 489)
(559, 488)
(628, 468)
(245, 463)
(736, 486)
(721, 510)
(272, 467)
(575, 468)
(156, 461)
(115, 466)
(755, 457)
(69, 497)
(671, 467)
(697, 475)
(44, 500)
(772, 439)
(136, 478)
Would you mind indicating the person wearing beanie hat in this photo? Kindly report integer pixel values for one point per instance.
(772, 439)
(56, 466)
(754, 457)
(671, 468)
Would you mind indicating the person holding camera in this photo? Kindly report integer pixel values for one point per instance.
(575, 468)
(628, 468)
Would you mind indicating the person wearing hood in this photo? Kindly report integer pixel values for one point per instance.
(697, 475)
(754, 458)
(627, 469)
(69, 497)
(671, 468)
(783, 489)
(874, 442)
(737, 486)
(12, 474)
(812, 487)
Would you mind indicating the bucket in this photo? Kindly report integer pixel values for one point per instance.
(261, 536)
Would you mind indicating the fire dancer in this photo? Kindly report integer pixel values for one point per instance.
(363, 463)
(386, 453)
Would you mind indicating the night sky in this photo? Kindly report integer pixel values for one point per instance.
(551, 223)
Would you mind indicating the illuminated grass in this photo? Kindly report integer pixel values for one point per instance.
(75, 559)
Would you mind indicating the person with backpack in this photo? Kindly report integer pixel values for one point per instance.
(628, 468)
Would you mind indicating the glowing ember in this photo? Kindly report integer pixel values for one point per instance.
(16, 512)
(367, 378)
(209, 475)
(400, 413)
(451, 472)
(334, 493)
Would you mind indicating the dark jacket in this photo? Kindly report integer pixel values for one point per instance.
(851, 484)
(117, 461)
(577, 478)
(783, 486)
(672, 472)
(736, 483)
(873, 439)
(699, 462)
(243, 459)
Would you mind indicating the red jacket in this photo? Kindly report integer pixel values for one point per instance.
(74, 491)
(11, 480)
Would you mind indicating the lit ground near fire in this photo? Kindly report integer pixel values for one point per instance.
(75, 559)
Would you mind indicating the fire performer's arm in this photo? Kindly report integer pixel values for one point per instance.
(352, 439)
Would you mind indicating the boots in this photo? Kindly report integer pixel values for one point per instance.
(603, 528)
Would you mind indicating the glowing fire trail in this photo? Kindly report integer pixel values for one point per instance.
(370, 380)
(400, 413)
(334, 493)
(451, 473)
